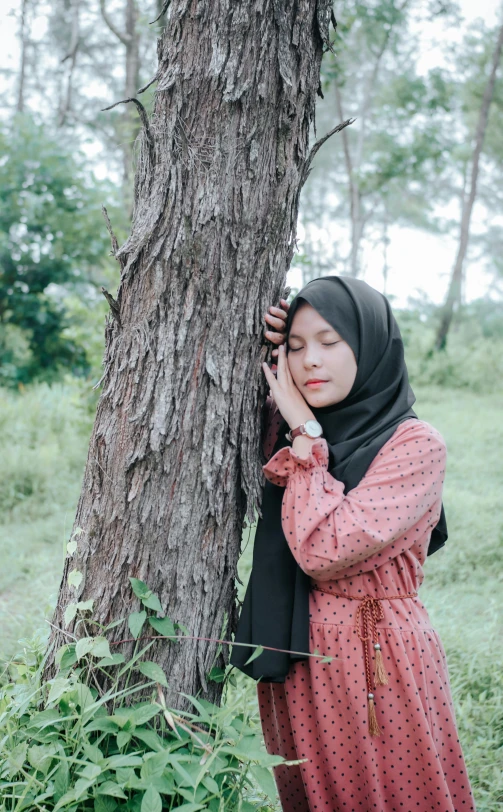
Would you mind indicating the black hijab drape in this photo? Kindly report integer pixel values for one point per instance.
(275, 611)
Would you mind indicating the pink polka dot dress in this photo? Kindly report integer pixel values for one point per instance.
(397, 750)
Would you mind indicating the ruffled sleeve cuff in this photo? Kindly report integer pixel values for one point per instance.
(287, 463)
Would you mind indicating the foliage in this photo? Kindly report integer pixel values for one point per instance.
(52, 239)
(405, 159)
(474, 358)
(67, 744)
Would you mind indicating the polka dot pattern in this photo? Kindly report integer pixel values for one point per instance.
(371, 541)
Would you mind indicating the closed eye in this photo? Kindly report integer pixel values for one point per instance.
(325, 345)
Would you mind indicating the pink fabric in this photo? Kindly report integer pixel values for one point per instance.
(371, 541)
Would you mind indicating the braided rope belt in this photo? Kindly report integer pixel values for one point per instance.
(368, 613)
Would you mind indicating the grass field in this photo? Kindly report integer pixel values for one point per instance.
(44, 436)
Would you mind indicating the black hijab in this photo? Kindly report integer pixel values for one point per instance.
(275, 611)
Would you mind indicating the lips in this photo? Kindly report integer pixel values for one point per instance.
(315, 380)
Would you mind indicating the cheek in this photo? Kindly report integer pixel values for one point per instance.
(294, 367)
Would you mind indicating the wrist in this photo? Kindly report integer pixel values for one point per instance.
(300, 418)
(302, 445)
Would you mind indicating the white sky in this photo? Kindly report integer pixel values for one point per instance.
(418, 261)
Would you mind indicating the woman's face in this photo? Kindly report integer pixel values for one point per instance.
(316, 350)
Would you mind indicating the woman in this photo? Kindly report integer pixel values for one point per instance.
(351, 508)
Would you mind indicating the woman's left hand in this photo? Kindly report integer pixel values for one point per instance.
(289, 400)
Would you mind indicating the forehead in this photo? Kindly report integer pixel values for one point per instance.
(308, 322)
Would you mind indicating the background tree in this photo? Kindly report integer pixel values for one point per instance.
(51, 241)
(454, 291)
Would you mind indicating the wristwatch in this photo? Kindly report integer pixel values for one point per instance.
(311, 428)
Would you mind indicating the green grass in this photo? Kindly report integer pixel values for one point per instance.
(44, 437)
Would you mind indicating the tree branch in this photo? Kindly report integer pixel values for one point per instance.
(124, 38)
(163, 11)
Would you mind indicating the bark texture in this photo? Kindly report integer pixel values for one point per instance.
(174, 461)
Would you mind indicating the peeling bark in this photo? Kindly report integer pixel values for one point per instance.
(174, 461)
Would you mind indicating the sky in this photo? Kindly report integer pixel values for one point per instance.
(419, 263)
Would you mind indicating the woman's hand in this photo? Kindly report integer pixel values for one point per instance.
(289, 400)
(277, 318)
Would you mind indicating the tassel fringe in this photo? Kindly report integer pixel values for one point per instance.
(381, 677)
(374, 728)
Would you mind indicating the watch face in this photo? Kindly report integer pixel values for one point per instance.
(313, 428)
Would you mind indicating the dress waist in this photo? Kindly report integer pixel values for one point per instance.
(368, 613)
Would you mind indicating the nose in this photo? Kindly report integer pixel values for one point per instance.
(311, 358)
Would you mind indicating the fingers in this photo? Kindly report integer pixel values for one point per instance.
(277, 319)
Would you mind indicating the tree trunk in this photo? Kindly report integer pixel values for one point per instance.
(71, 58)
(129, 129)
(454, 292)
(23, 47)
(174, 461)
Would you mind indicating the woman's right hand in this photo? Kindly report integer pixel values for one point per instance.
(276, 318)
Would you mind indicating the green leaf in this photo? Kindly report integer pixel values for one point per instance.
(216, 674)
(139, 588)
(93, 753)
(126, 760)
(75, 578)
(82, 696)
(103, 725)
(91, 772)
(104, 803)
(150, 738)
(151, 801)
(189, 807)
(61, 780)
(136, 621)
(152, 602)
(211, 784)
(123, 738)
(101, 647)
(264, 779)
(40, 757)
(114, 659)
(163, 625)
(145, 712)
(71, 547)
(72, 609)
(59, 686)
(83, 647)
(154, 764)
(16, 758)
(97, 646)
(112, 789)
(258, 651)
(70, 612)
(153, 672)
(65, 656)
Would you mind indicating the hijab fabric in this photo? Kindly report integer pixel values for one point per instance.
(275, 611)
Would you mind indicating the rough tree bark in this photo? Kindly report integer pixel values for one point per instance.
(174, 458)
(454, 293)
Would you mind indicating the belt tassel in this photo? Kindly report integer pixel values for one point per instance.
(374, 728)
(368, 614)
(380, 675)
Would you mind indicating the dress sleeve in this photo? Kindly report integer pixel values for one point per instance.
(392, 507)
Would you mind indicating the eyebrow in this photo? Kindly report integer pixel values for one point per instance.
(326, 330)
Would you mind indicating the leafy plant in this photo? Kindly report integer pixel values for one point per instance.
(67, 744)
